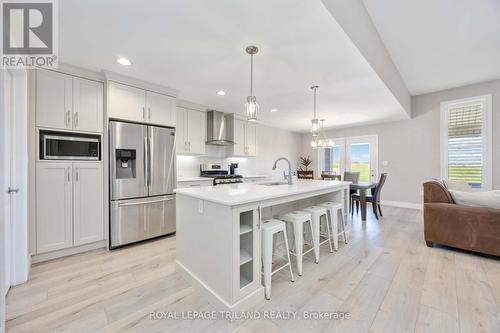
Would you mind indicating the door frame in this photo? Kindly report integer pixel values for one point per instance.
(344, 155)
(19, 259)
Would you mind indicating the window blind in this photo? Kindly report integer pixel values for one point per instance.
(465, 143)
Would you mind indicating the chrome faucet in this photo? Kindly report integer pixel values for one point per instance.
(289, 168)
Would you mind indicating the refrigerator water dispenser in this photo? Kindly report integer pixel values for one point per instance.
(125, 163)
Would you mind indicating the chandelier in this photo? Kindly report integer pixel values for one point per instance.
(319, 138)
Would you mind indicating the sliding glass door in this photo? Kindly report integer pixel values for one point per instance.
(351, 154)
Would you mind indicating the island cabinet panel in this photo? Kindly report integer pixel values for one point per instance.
(246, 250)
(204, 233)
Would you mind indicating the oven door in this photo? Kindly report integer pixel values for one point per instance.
(70, 148)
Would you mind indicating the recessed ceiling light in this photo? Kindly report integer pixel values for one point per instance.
(274, 110)
(221, 93)
(124, 61)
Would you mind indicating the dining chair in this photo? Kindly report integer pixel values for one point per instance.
(353, 177)
(374, 197)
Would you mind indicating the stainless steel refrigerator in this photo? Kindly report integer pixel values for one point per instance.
(142, 180)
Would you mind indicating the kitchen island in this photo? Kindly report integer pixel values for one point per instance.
(218, 233)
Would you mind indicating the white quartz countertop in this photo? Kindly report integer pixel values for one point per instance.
(243, 193)
(255, 176)
(198, 179)
(193, 179)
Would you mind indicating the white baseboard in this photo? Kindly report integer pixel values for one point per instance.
(67, 252)
(401, 204)
(247, 302)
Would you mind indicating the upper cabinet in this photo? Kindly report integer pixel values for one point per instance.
(160, 109)
(191, 131)
(139, 105)
(87, 105)
(126, 102)
(245, 138)
(67, 102)
(54, 99)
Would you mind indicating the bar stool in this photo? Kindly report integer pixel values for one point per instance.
(269, 229)
(297, 219)
(317, 212)
(333, 210)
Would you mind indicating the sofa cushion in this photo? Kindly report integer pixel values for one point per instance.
(457, 186)
(490, 199)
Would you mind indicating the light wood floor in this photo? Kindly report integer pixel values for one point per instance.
(385, 277)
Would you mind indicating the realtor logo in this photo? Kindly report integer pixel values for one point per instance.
(29, 33)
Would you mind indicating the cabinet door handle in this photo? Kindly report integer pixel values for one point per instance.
(75, 119)
(76, 174)
(189, 146)
(68, 173)
(68, 119)
(144, 113)
(149, 113)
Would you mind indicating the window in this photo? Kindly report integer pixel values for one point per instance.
(466, 141)
(332, 160)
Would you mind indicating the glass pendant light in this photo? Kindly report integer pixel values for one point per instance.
(323, 141)
(251, 106)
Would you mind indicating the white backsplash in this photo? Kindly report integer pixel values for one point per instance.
(272, 144)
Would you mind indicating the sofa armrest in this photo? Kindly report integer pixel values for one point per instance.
(434, 191)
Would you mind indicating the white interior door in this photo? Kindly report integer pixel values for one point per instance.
(6, 179)
(361, 156)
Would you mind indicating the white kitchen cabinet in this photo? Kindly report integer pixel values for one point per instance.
(54, 227)
(246, 251)
(67, 102)
(239, 138)
(69, 205)
(139, 105)
(245, 136)
(126, 102)
(87, 105)
(251, 139)
(160, 109)
(54, 99)
(190, 131)
(195, 183)
(88, 219)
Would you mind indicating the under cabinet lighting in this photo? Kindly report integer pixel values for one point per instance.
(221, 93)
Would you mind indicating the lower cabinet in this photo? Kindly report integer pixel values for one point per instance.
(246, 249)
(88, 219)
(54, 226)
(69, 205)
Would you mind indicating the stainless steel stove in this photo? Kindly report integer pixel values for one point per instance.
(219, 174)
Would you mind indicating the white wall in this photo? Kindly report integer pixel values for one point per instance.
(412, 146)
(272, 143)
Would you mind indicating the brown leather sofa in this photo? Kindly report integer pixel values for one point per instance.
(469, 228)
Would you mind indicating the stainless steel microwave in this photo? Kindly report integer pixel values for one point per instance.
(69, 146)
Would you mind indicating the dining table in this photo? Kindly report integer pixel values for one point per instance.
(362, 188)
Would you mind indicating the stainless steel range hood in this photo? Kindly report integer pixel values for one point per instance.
(220, 128)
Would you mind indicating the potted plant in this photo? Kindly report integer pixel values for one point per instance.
(304, 172)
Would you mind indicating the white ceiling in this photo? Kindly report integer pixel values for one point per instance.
(440, 44)
(197, 46)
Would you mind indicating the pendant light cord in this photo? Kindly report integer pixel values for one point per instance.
(251, 74)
